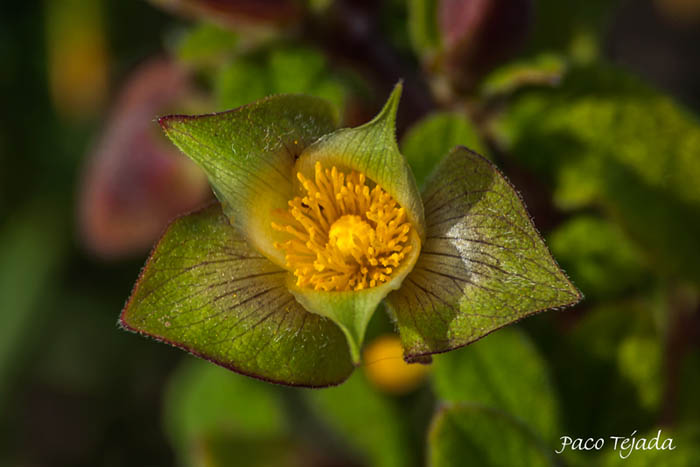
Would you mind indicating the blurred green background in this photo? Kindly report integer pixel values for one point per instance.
(590, 107)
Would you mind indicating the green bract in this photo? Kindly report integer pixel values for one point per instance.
(217, 286)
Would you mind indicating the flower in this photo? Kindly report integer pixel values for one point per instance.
(316, 227)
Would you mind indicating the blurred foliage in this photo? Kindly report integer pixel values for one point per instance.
(596, 353)
(679, 457)
(241, 69)
(206, 44)
(77, 56)
(368, 421)
(543, 69)
(213, 416)
(278, 70)
(605, 139)
(563, 26)
(429, 140)
(689, 380)
(608, 164)
(206, 400)
(29, 254)
(423, 26)
(502, 371)
(249, 16)
(598, 256)
(484, 436)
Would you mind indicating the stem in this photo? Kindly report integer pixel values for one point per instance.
(683, 330)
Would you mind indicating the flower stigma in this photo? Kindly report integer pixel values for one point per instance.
(345, 235)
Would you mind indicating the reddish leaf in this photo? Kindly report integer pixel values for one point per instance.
(135, 181)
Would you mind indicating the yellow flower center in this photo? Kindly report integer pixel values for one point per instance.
(349, 234)
(345, 236)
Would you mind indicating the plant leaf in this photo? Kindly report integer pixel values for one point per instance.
(423, 27)
(589, 352)
(206, 44)
(205, 290)
(203, 401)
(427, 142)
(484, 436)
(606, 140)
(32, 245)
(599, 256)
(248, 154)
(483, 264)
(371, 149)
(352, 310)
(278, 70)
(370, 422)
(503, 371)
(542, 70)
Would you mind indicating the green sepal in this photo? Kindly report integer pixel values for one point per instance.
(371, 149)
(249, 153)
(483, 264)
(205, 290)
(352, 310)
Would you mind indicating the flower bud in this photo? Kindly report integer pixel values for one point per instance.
(476, 35)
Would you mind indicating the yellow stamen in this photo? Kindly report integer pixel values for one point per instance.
(345, 236)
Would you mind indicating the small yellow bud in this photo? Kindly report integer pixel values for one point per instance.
(386, 369)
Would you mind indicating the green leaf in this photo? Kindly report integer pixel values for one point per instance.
(278, 70)
(640, 361)
(370, 422)
(598, 255)
(304, 70)
(295, 69)
(541, 70)
(590, 351)
(503, 371)
(423, 26)
(483, 264)
(31, 247)
(484, 437)
(371, 149)
(429, 140)
(203, 401)
(205, 290)
(606, 140)
(242, 81)
(249, 153)
(206, 43)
